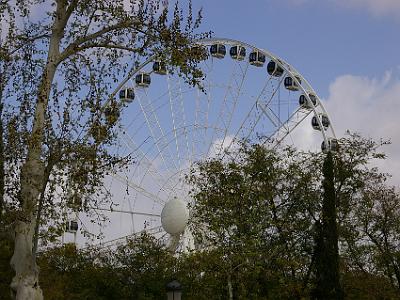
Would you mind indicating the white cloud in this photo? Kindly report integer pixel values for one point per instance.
(369, 106)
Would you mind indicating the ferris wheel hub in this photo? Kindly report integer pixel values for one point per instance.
(174, 216)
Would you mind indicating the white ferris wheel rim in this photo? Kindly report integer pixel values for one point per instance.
(304, 88)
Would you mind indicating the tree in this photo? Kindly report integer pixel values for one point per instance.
(145, 266)
(287, 224)
(368, 215)
(138, 269)
(255, 212)
(59, 62)
(70, 273)
(327, 252)
(253, 248)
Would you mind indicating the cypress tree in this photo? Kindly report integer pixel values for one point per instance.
(326, 242)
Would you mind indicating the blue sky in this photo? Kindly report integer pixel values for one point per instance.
(323, 39)
(348, 50)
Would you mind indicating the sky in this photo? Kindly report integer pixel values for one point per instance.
(348, 50)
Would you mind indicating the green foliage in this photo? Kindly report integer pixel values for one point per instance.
(368, 212)
(146, 267)
(69, 273)
(359, 285)
(255, 219)
(137, 270)
(255, 211)
(60, 62)
(284, 214)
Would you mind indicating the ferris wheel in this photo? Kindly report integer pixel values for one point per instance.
(168, 125)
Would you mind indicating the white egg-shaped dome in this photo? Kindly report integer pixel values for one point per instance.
(174, 216)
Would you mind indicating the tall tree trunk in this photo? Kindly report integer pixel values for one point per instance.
(25, 284)
(327, 252)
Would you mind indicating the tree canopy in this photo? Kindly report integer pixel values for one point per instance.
(257, 220)
(279, 216)
(60, 62)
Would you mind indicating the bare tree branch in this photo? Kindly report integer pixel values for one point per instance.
(107, 46)
(74, 46)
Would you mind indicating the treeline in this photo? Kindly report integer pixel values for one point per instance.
(259, 218)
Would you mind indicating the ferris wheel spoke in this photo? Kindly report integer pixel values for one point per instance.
(269, 113)
(169, 191)
(224, 109)
(150, 127)
(258, 116)
(138, 188)
(266, 106)
(172, 110)
(194, 132)
(111, 199)
(109, 243)
(184, 115)
(144, 161)
(178, 114)
(156, 131)
(112, 210)
(239, 84)
(172, 189)
(159, 181)
(87, 231)
(201, 122)
(162, 140)
(287, 128)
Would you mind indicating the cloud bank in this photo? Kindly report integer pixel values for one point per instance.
(369, 106)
